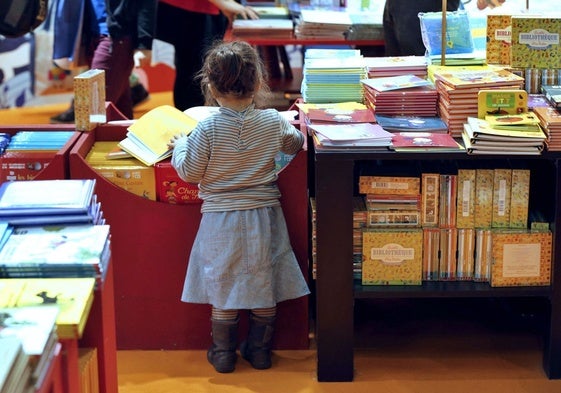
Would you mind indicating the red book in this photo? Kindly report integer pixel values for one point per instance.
(424, 141)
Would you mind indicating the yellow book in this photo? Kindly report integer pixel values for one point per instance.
(89, 99)
(483, 198)
(521, 258)
(535, 42)
(498, 39)
(430, 183)
(148, 137)
(502, 179)
(520, 196)
(392, 257)
(465, 206)
(73, 296)
(389, 185)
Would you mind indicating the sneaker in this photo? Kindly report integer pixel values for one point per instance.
(65, 117)
(138, 94)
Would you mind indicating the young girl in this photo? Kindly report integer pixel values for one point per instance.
(241, 257)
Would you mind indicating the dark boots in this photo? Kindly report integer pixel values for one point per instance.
(222, 353)
(257, 348)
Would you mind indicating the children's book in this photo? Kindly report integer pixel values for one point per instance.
(395, 82)
(148, 137)
(355, 132)
(424, 141)
(519, 122)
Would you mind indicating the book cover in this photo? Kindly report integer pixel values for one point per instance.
(502, 182)
(412, 123)
(483, 255)
(389, 185)
(552, 94)
(13, 358)
(415, 141)
(395, 82)
(499, 38)
(483, 198)
(171, 189)
(51, 247)
(527, 121)
(481, 127)
(89, 99)
(33, 197)
(466, 251)
(392, 257)
(501, 102)
(431, 251)
(147, 137)
(33, 325)
(478, 78)
(430, 183)
(334, 115)
(535, 42)
(72, 296)
(353, 132)
(521, 258)
(465, 216)
(520, 197)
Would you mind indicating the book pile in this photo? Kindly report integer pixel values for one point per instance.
(550, 120)
(481, 137)
(72, 251)
(336, 113)
(458, 89)
(433, 124)
(353, 135)
(45, 202)
(34, 327)
(320, 23)
(332, 79)
(263, 27)
(403, 95)
(381, 67)
(425, 142)
(26, 153)
(553, 95)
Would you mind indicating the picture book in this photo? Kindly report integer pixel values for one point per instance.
(395, 82)
(527, 121)
(521, 258)
(334, 115)
(89, 99)
(392, 257)
(14, 368)
(353, 132)
(478, 78)
(499, 38)
(46, 197)
(412, 123)
(424, 141)
(501, 102)
(72, 296)
(147, 137)
(535, 42)
(480, 127)
(552, 94)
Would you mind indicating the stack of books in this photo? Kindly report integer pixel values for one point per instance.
(433, 124)
(45, 202)
(403, 95)
(15, 369)
(263, 27)
(381, 67)
(550, 120)
(328, 79)
(458, 89)
(354, 135)
(322, 23)
(35, 327)
(480, 137)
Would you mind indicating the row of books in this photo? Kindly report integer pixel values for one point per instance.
(469, 198)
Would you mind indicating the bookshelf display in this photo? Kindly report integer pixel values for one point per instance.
(335, 179)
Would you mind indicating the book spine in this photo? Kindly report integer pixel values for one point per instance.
(466, 250)
(483, 198)
(400, 218)
(520, 196)
(429, 199)
(431, 249)
(448, 246)
(483, 255)
(466, 199)
(447, 205)
(501, 198)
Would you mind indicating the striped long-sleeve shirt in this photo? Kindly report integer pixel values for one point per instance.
(231, 156)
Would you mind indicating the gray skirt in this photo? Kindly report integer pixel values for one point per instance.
(243, 260)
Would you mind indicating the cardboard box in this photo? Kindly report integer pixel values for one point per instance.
(171, 189)
(389, 185)
(392, 257)
(521, 258)
(465, 206)
(89, 99)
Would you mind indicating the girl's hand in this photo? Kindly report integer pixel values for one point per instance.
(173, 141)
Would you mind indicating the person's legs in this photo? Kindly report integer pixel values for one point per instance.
(257, 348)
(222, 353)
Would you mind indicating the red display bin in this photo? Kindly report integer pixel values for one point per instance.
(151, 242)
